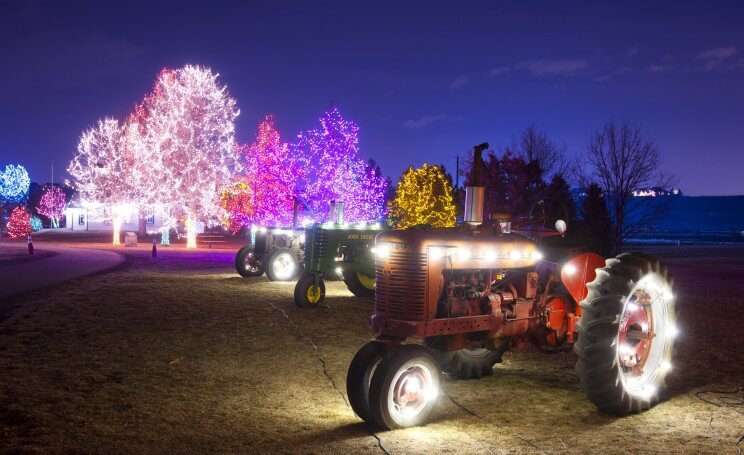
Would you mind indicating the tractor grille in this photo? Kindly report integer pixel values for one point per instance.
(320, 244)
(401, 293)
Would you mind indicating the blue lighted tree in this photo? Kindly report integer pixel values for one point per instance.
(14, 184)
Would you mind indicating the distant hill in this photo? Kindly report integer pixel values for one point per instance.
(696, 219)
(703, 213)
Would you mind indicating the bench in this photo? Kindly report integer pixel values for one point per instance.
(209, 239)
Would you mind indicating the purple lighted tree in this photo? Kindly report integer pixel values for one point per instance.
(52, 204)
(333, 170)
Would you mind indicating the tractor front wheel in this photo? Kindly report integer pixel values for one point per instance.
(282, 265)
(359, 377)
(247, 264)
(626, 334)
(359, 285)
(307, 293)
(404, 387)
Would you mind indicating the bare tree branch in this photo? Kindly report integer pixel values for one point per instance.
(621, 160)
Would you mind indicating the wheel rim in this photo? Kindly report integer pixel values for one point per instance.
(645, 336)
(283, 266)
(250, 264)
(366, 281)
(412, 388)
(313, 293)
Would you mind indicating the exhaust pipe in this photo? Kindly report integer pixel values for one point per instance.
(475, 193)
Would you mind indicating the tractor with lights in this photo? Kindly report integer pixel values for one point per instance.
(337, 248)
(472, 292)
(277, 252)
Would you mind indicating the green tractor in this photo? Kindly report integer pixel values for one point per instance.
(277, 252)
(337, 249)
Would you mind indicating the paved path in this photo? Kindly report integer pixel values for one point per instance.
(68, 263)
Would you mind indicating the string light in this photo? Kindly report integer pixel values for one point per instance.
(423, 196)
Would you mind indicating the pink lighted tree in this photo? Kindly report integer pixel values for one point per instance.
(52, 204)
(271, 172)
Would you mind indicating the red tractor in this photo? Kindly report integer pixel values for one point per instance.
(473, 292)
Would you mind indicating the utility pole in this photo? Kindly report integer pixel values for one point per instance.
(457, 171)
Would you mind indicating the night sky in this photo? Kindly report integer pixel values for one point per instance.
(424, 80)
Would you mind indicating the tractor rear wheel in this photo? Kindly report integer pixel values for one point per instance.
(626, 334)
(282, 265)
(468, 363)
(359, 285)
(307, 294)
(404, 387)
(360, 375)
(247, 264)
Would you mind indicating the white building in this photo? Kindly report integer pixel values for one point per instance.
(94, 217)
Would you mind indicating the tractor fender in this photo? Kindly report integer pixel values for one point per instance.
(578, 272)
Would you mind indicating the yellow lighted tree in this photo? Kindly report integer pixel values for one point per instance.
(423, 196)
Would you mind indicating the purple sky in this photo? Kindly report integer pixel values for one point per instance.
(424, 80)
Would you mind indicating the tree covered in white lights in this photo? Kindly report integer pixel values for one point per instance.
(188, 132)
(100, 169)
(146, 189)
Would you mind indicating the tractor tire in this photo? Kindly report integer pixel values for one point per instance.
(626, 334)
(246, 265)
(359, 377)
(404, 387)
(468, 363)
(282, 265)
(306, 293)
(359, 285)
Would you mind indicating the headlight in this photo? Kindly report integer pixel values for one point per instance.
(381, 251)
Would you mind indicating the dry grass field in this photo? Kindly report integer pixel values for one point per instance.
(178, 354)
